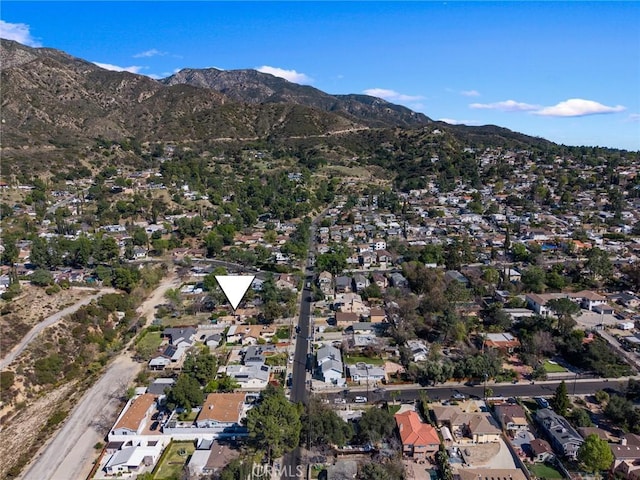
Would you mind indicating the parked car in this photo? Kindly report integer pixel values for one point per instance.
(542, 402)
(458, 396)
(360, 399)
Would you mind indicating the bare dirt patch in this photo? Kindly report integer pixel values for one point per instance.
(25, 430)
(31, 307)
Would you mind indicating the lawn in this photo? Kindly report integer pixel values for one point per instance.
(354, 359)
(393, 409)
(174, 460)
(148, 344)
(283, 333)
(553, 367)
(544, 470)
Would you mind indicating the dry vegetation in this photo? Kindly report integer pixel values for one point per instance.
(31, 307)
(32, 425)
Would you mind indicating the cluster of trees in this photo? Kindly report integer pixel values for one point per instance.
(277, 302)
(438, 369)
(197, 378)
(542, 337)
(274, 424)
(298, 243)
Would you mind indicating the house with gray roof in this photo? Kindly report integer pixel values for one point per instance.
(564, 439)
(250, 377)
(366, 372)
(330, 367)
(256, 354)
(180, 336)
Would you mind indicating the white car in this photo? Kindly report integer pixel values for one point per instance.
(360, 399)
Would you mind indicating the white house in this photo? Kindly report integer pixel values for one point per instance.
(330, 368)
(133, 458)
(363, 372)
(419, 350)
(135, 416)
(250, 377)
(379, 244)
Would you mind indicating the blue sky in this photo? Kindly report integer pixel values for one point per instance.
(565, 71)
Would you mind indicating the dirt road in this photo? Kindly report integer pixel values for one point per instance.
(47, 322)
(70, 453)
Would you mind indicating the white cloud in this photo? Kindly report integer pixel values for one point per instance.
(116, 68)
(290, 75)
(633, 117)
(150, 53)
(578, 107)
(20, 32)
(392, 95)
(505, 106)
(470, 93)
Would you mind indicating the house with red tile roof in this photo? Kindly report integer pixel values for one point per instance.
(419, 439)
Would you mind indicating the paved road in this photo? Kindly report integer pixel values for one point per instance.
(47, 322)
(70, 453)
(299, 392)
(409, 393)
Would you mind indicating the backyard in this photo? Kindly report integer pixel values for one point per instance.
(553, 367)
(352, 359)
(544, 470)
(173, 460)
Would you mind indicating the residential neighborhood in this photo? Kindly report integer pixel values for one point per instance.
(507, 285)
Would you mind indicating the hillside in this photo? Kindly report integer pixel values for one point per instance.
(54, 106)
(251, 86)
(49, 97)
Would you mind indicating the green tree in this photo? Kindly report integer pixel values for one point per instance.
(201, 366)
(321, 425)
(334, 262)
(274, 424)
(224, 383)
(186, 393)
(237, 469)
(595, 454)
(373, 471)
(533, 279)
(560, 401)
(564, 309)
(375, 425)
(618, 410)
(41, 278)
(140, 237)
(580, 417)
(599, 264)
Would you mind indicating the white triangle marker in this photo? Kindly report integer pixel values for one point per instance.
(234, 287)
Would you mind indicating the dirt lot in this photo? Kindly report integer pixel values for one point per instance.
(31, 307)
(25, 428)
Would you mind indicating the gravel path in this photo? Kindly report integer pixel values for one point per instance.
(70, 453)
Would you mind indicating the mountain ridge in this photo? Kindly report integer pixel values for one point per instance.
(54, 105)
(252, 86)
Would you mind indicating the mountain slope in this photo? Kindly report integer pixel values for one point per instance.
(251, 86)
(51, 97)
